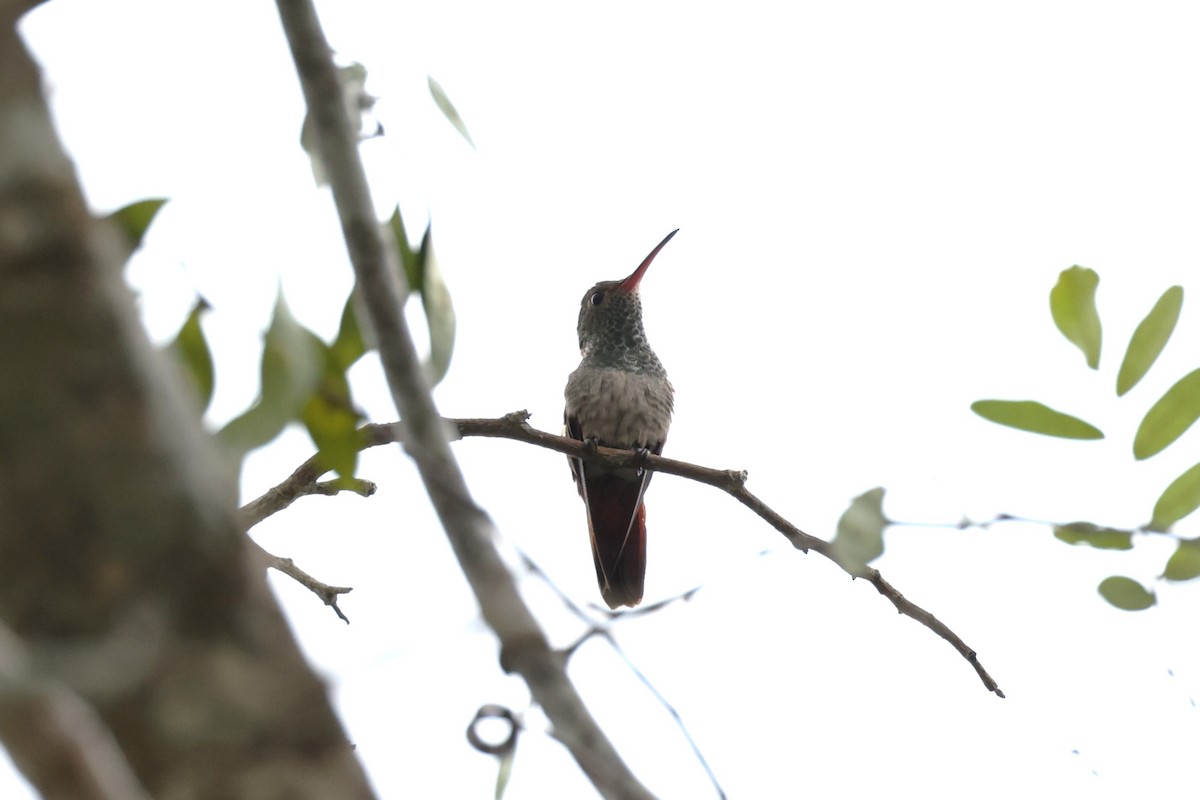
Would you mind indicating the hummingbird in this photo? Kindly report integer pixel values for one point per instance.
(619, 397)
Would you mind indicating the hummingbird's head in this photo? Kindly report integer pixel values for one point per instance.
(610, 319)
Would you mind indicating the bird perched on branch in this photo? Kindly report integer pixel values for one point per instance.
(619, 397)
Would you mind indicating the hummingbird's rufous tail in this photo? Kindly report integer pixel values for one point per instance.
(617, 523)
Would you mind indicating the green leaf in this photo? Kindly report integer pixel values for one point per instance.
(332, 421)
(191, 348)
(1029, 415)
(1167, 419)
(1094, 535)
(1073, 306)
(859, 538)
(292, 364)
(1149, 339)
(439, 313)
(424, 277)
(291, 361)
(251, 429)
(1184, 563)
(1178, 500)
(414, 266)
(1126, 593)
(334, 430)
(134, 220)
(349, 346)
(443, 102)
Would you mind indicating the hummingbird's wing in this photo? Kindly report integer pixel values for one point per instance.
(616, 523)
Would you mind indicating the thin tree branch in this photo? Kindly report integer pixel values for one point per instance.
(328, 594)
(603, 629)
(733, 482)
(304, 481)
(472, 535)
(300, 483)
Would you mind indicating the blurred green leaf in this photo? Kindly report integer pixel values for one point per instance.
(134, 220)
(349, 345)
(439, 313)
(1178, 500)
(859, 538)
(191, 348)
(253, 428)
(1073, 306)
(292, 360)
(332, 421)
(1184, 563)
(1167, 419)
(443, 102)
(425, 278)
(292, 364)
(1094, 535)
(414, 267)
(1029, 415)
(1126, 593)
(1149, 339)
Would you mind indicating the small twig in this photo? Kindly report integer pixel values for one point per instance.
(328, 594)
(670, 709)
(604, 631)
(300, 483)
(304, 481)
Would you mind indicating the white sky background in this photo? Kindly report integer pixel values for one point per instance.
(874, 201)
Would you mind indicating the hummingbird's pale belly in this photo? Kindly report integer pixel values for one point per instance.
(619, 408)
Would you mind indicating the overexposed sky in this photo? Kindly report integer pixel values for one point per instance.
(874, 201)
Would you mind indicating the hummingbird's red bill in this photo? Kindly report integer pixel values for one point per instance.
(631, 283)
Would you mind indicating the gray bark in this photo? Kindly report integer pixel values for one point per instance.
(122, 567)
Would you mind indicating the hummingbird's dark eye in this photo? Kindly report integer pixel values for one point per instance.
(597, 298)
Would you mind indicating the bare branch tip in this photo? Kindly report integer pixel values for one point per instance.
(329, 594)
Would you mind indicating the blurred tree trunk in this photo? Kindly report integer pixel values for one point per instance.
(123, 571)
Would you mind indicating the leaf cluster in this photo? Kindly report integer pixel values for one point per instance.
(303, 379)
(1073, 308)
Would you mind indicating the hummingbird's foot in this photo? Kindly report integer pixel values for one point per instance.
(593, 445)
(640, 454)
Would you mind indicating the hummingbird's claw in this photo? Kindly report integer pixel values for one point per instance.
(640, 455)
(592, 445)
